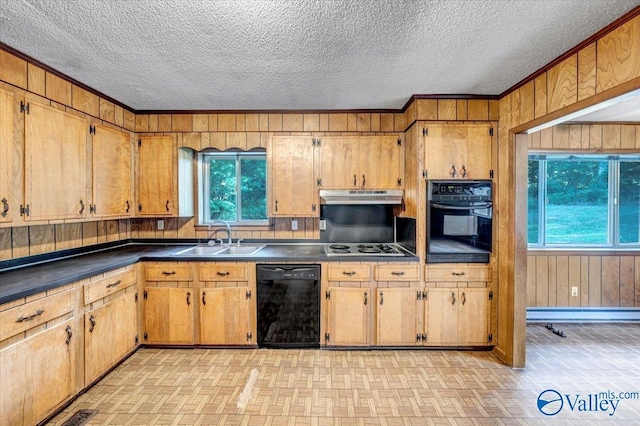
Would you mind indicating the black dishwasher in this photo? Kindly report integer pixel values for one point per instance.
(288, 306)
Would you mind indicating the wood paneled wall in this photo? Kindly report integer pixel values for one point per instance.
(605, 280)
(605, 138)
(611, 63)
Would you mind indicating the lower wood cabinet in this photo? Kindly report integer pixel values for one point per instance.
(457, 316)
(224, 316)
(169, 316)
(348, 316)
(38, 374)
(397, 315)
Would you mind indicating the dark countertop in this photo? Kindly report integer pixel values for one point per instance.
(25, 280)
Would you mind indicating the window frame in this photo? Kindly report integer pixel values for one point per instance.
(613, 199)
(204, 214)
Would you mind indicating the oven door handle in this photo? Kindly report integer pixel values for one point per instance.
(449, 207)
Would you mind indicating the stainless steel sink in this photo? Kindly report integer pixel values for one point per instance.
(220, 251)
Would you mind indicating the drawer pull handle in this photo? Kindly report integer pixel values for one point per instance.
(114, 284)
(464, 298)
(457, 274)
(69, 334)
(5, 209)
(397, 273)
(365, 298)
(168, 272)
(349, 274)
(188, 298)
(223, 274)
(453, 298)
(30, 317)
(92, 320)
(204, 298)
(167, 206)
(81, 207)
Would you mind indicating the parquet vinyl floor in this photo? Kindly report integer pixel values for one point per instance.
(378, 387)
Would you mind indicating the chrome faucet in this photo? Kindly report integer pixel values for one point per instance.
(211, 240)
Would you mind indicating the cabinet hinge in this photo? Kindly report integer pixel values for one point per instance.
(425, 131)
(146, 336)
(418, 295)
(421, 337)
(490, 131)
(327, 295)
(136, 298)
(399, 142)
(425, 295)
(326, 337)
(249, 336)
(399, 181)
(318, 142)
(92, 129)
(24, 210)
(145, 295)
(491, 295)
(24, 107)
(319, 182)
(136, 340)
(490, 338)
(315, 142)
(313, 207)
(424, 174)
(139, 143)
(491, 174)
(92, 208)
(247, 295)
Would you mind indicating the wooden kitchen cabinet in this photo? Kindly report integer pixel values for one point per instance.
(397, 315)
(458, 317)
(292, 177)
(458, 151)
(8, 207)
(169, 315)
(110, 333)
(38, 374)
(55, 175)
(360, 162)
(348, 316)
(112, 165)
(157, 156)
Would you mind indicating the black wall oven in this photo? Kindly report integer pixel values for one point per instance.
(459, 221)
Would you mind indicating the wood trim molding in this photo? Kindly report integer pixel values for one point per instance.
(591, 39)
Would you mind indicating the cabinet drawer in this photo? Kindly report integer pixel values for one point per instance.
(222, 272)
(349, 273)
(98, 289)
(168, 272)
(32, 314)
(397, 273)
(457, 273)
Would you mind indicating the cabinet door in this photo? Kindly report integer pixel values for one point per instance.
(397, 310)
(340, 165)
(8, 207)
(224, 316)
(349, 316)
(112, 173)
(473, 316)
(458, 151)
(293, 183)
(169, 315)
(157, 157)
(442, 316)
(110, 334)
(381, 162)
(55, 164)
(38, 374)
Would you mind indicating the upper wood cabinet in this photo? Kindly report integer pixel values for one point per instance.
(458, 151)
(112, 173)
(55, 164)
(8, 207)
(360, 162)
(292, 176)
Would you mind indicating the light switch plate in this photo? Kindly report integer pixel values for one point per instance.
(574, 291)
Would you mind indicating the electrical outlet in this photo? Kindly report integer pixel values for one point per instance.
(294, 225)
(323, 224)
(160, 225)
(574, 291)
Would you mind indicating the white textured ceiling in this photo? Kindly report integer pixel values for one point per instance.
(298, 54)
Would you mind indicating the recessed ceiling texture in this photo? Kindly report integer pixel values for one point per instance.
(298, 54)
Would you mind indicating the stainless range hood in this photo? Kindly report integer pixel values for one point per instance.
(364, 196)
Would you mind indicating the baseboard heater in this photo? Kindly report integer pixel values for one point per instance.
(583, 315)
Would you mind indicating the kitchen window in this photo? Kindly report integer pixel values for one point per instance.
(584, 200)
(233, 187)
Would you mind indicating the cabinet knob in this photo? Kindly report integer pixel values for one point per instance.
(5, 208)
(464, 298)
(276, 205)
(453, 172)
(69, 334)
(92, 320)
(128, 207)
(167, 206)
(355, 180)
(81, 207)
(463, 172)
(364, 181)
(188, 298)
(204, 299)
(365, 298)
(453, 298)
(349, 274)
(381, 298)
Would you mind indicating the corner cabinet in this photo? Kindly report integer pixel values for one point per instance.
(112, 164)
(360, 162)
(55, 164)
(458, 151)
(8, 207)
(293, 187)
